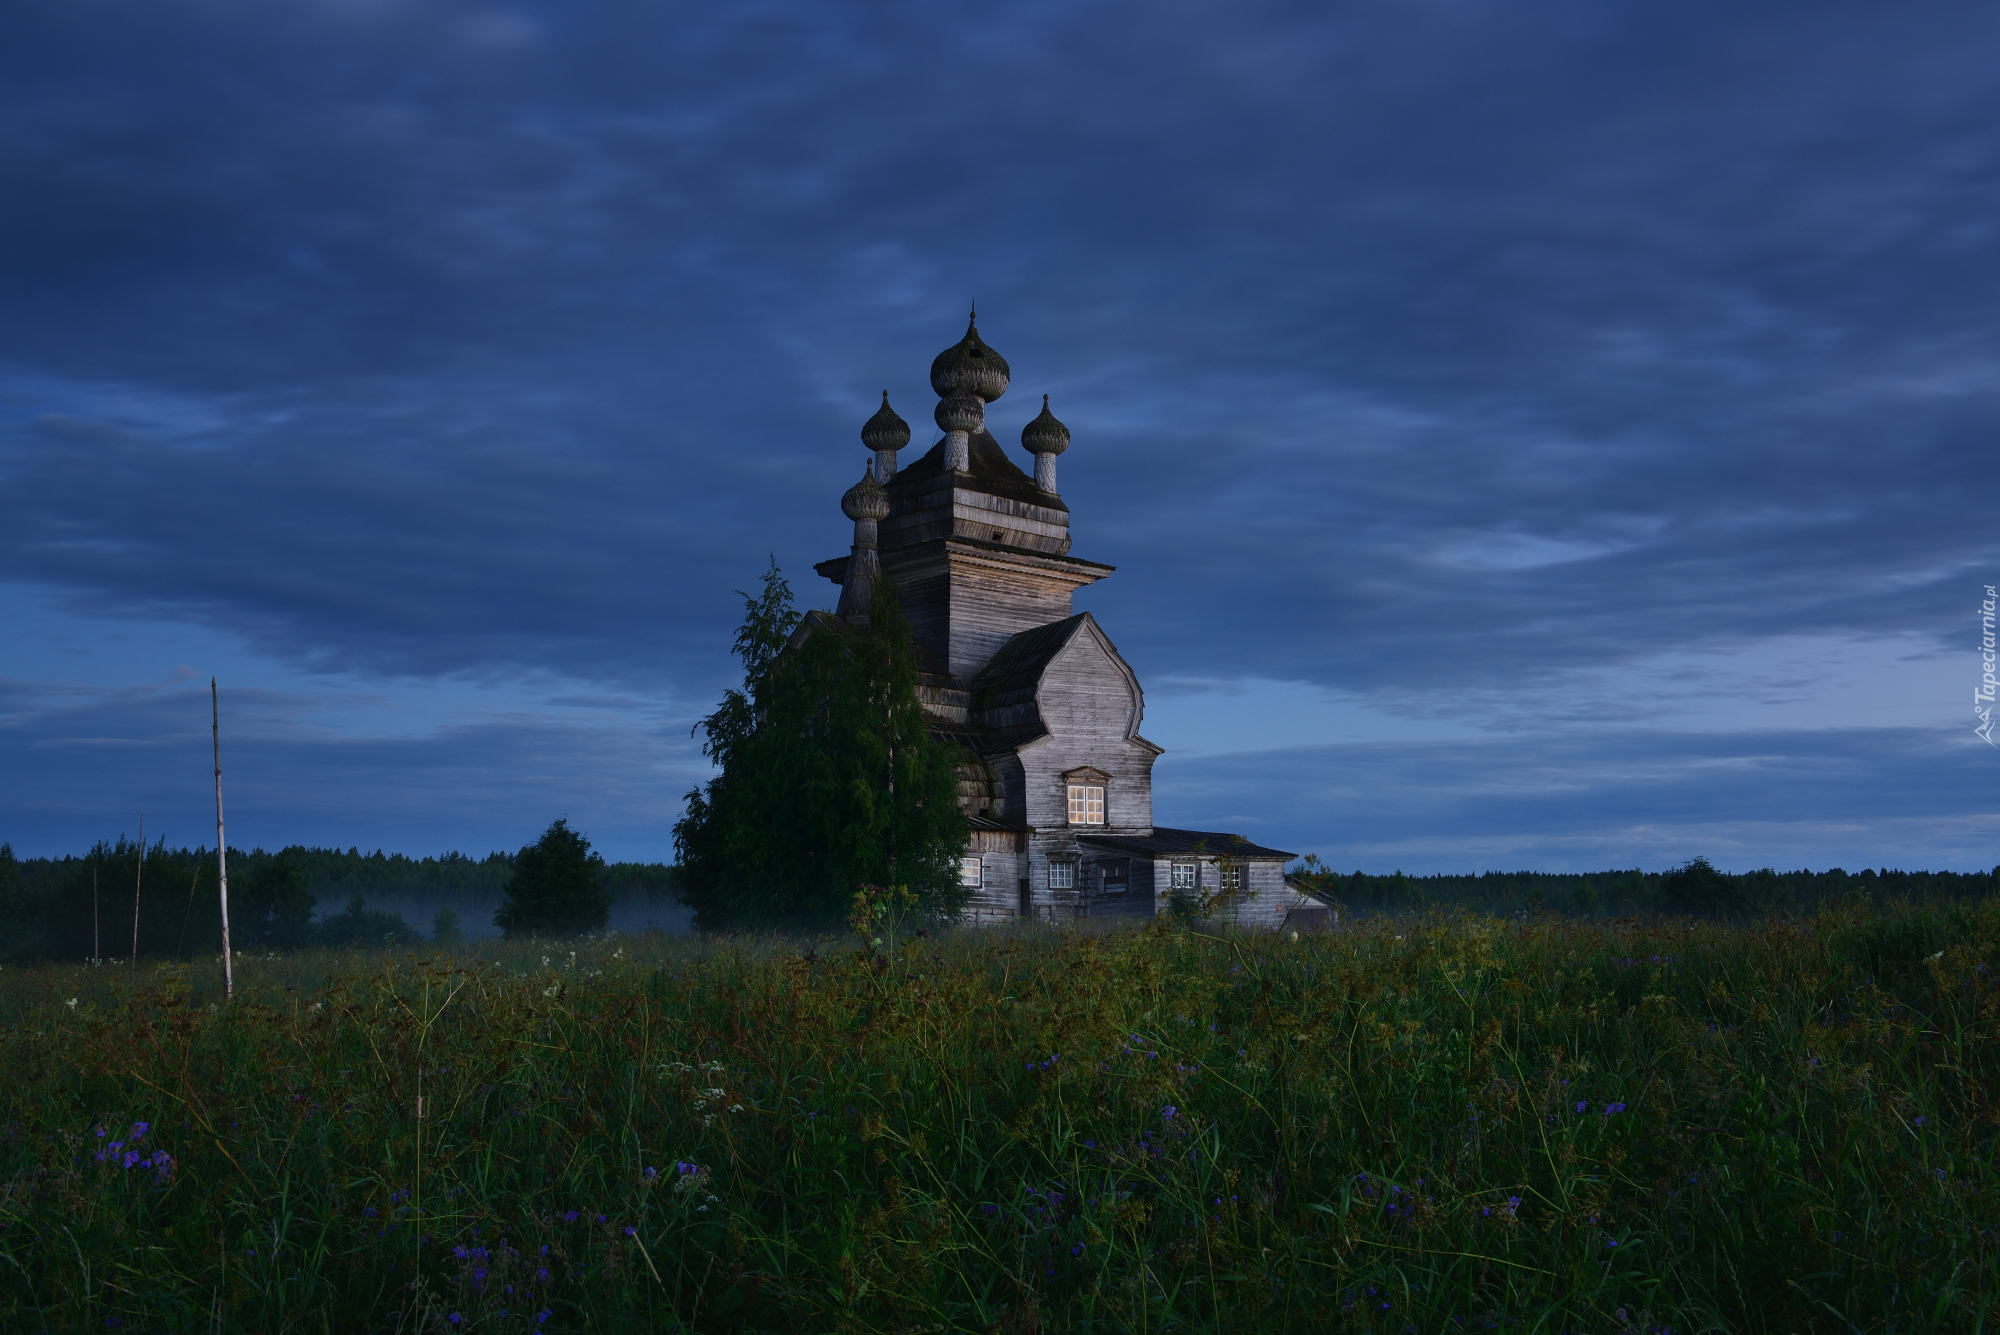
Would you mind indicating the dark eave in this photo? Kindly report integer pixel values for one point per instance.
(1167, 842)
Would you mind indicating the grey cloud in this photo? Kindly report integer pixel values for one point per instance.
(450, 341)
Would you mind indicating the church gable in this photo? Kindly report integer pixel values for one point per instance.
(1088, 694)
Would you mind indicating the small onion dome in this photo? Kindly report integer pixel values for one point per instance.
(960, 412)
(866, 499)
(885, 430)
(970, 368)
(1045, 435)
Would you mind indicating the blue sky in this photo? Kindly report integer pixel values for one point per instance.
(1545, 435)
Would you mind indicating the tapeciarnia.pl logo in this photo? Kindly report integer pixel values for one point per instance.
(1982, 695)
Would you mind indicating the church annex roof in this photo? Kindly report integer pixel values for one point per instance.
(1167, 842)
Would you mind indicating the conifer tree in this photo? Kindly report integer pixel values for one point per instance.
(831, 779)
(557, 888)
(11, 901)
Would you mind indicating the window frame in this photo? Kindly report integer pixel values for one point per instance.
(1068, 875)
(1089, 798)
(971, 862)
(1184, 876)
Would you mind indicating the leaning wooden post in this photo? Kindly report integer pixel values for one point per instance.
(221, 849)
(96, 935)
(136, 882)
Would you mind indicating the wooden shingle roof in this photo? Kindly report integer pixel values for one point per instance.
(1167, 842)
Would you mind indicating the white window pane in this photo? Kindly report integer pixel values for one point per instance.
(971, 872)
(1060, 875)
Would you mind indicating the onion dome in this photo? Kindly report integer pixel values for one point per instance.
(885, 430)
(866, 499)
(970, 368)
(960, 412)
(1045, 435)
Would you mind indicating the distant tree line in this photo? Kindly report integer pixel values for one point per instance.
(79, 907)
(1695, 887)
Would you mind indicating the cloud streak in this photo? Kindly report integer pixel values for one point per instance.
(1406, 347)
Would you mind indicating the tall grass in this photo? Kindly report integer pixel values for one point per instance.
(1442, 1124)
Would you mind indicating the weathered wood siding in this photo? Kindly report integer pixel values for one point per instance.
(1267, 903)
(1003, 857)
(963, 604)
(1092, 707)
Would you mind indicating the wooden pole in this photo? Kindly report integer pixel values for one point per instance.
(136, 882)
(221, 849)
(96, 936)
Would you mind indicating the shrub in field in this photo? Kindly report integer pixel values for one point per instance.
(445, 930)
(274, 908)
(359, 925)
(557, 888)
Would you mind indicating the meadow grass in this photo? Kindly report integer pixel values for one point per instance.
(1439, 1124)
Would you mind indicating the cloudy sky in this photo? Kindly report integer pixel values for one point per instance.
(1551, 435)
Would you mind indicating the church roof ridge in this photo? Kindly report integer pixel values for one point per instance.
(990, 471)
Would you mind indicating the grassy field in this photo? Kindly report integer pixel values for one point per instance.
(1442, 1124)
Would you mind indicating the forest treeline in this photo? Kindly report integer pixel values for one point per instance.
(81, 907)
(1694, 888)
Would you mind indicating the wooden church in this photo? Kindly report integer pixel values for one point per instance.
(1059, 779)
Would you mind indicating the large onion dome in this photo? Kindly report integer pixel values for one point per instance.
(960, 412)
(970, 367)
(1045, 435)
(885, 430)
(866, 499)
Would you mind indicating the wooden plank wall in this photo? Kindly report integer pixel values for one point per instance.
(990, 607)
(1091, 708)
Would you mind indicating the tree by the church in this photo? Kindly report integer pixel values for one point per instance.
(830, 777)
(557, 888)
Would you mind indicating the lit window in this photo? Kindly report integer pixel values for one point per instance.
(1086, 804)
(1062, 875)
(1183, 876)
(971, 872)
